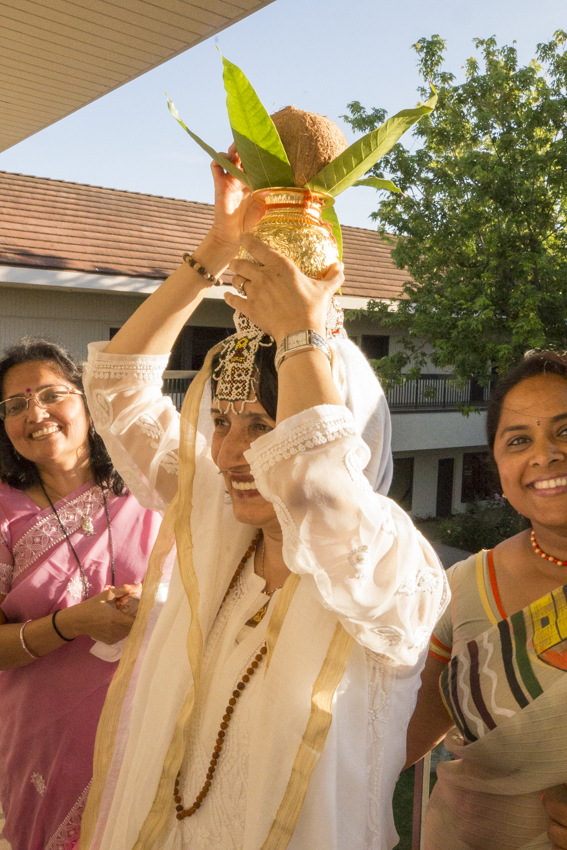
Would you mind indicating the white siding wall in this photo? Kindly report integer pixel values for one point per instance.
(437, 430)
(425, 472)
(71, 318)
(75, 318)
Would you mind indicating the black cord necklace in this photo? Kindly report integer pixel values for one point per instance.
(86, 583)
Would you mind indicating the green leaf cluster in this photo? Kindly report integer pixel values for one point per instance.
(265, 162)
(480, 222)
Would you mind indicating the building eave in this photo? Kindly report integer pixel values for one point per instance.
(58, 57)
(119, 284)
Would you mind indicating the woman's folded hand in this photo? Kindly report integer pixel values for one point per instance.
(97, 618)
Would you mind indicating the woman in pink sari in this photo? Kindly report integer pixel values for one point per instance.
(72, 540)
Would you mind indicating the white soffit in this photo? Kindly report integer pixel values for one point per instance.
(59, 55)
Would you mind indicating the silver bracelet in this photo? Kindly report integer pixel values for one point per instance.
(187, 258)
(23, 642)
(300, 341)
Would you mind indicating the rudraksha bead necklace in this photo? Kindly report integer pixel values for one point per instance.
(182, 812)
(251, 549)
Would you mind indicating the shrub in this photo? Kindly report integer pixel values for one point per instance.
(484, 524)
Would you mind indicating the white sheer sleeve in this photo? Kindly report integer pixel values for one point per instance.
(360, 553)
(139, 425)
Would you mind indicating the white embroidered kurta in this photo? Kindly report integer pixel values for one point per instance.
(360, 558)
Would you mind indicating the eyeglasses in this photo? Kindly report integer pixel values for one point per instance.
(47, 397)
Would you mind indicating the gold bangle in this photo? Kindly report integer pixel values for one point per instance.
(188, 258)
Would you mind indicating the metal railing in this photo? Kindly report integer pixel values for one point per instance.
(176, 383)
(436, 392)
(430, 392)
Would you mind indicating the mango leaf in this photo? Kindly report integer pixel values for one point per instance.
(329, 215)
(257, 140)
(353, 163)
(378, 183)
(218, 157)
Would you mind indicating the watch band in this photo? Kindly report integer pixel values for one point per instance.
(300, 341)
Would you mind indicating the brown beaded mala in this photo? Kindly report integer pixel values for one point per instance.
(229, 710)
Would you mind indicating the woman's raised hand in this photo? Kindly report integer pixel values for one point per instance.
(236, 211)
(279, 298)
(96, 618)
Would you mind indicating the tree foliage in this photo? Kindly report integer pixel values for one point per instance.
(481, 226)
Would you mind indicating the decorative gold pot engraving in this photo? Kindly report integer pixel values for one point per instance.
(292, 224)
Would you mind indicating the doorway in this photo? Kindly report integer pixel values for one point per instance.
(445, 472)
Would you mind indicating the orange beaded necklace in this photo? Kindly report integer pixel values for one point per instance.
(539, 551)
(182, 812)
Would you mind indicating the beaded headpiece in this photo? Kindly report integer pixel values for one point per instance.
(235, 373)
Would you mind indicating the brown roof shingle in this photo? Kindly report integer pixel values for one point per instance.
(52, 224)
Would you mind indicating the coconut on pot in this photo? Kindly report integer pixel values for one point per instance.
(310, 141)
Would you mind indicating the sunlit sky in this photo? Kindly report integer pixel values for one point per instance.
(314, 54)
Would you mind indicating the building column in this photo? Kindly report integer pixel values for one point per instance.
(424, 500)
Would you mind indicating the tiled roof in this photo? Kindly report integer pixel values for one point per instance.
(52, 224)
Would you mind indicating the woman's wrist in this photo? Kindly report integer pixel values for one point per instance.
(68, 623)
(296, 325)
(214, 253)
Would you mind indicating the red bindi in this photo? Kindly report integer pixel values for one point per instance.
(28, 389)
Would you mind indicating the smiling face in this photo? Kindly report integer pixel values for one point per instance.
(532, 458)
(53, 437)
(232, 436)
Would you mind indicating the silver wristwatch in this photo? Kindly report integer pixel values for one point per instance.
(300, 341)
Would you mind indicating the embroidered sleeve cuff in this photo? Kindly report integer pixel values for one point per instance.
(141, 368)
(305, 430)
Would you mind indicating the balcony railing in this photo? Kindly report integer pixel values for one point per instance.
(436, 392)
(430, 392)
(176, 384)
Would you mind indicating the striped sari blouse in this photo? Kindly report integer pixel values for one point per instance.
(496, 665)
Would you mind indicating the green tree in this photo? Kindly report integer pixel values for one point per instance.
(481, 226)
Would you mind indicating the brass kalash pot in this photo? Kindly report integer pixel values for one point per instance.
(292, 225)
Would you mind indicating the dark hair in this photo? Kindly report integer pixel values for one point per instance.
(538, 363)
(267, 385)
(18, 471)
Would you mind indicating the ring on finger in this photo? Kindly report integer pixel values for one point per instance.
(240, 288)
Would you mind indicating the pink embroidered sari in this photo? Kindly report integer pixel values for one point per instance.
(49, 710)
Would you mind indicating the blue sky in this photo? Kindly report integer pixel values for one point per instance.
(315, 54)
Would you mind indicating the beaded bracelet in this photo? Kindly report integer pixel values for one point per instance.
(53, 623)
(23, 642)
(187, 258)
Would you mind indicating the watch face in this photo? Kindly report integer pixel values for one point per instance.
(297, 339)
